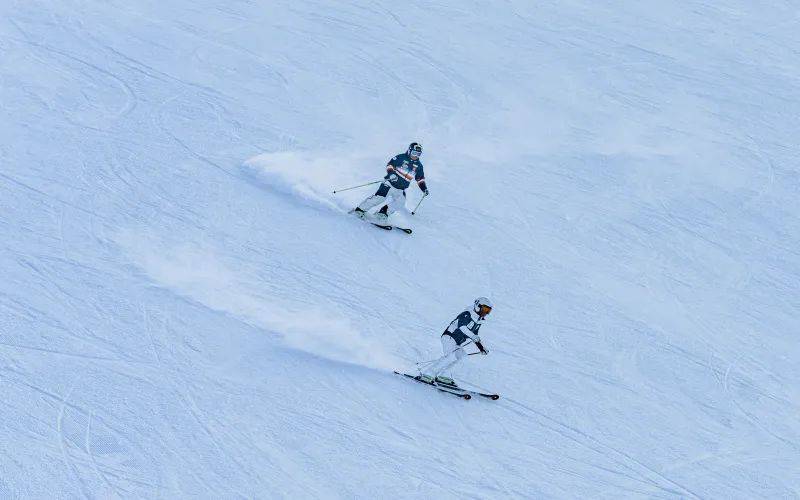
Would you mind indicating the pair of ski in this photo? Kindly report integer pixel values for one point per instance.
(390, 227)
(387, 227)
(455, 390)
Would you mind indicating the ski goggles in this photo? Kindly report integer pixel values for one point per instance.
(483, 310)
(414, 153)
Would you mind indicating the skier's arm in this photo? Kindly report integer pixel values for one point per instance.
(391, 170)
(420, 177)
(475, 339)
(470, 328)
(390, 167)
(464, 325)
(470, 331)
(473, 336)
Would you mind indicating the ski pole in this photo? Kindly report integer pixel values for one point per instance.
(418, 204)
(473, 353)
(430, 362)
(354, 187)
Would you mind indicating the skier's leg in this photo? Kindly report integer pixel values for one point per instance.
(447, 356)
(385, 211)
(391, 203)
(452, 354)
(448, 379)
(449, 344)
(376, 199)
(394, 201)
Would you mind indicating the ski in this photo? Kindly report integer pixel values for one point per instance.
(469, 391)
(390, 227)
(452, 389)
(387, 227)
(489, 395)
(455, 392)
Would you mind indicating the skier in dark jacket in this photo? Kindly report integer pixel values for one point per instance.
(460, 332)
(400, 171)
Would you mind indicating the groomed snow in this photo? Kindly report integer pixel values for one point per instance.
(187, 312)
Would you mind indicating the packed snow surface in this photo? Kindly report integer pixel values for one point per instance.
(186, 310)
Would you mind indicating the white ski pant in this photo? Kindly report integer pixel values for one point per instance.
(391, 196)
(452, 353)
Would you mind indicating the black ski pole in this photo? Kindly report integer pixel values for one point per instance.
(432, 361)
(354, 187)
(418, 204)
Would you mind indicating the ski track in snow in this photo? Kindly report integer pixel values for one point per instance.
(186, 310)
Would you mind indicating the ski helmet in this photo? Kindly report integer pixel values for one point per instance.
(483, 306)
(415, 150)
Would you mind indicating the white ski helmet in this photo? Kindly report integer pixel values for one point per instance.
(483, 306)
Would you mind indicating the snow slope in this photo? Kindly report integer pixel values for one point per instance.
(185, 311)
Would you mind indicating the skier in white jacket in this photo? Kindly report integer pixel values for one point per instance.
(461, 331)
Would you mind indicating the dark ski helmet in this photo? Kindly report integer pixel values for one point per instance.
(483, 306)
(415, 150)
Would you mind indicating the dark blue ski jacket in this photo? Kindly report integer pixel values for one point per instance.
(401, 170)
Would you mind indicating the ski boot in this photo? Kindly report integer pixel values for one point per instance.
(358, 212)
(426, 378)
(381, 216)
(442, 380)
